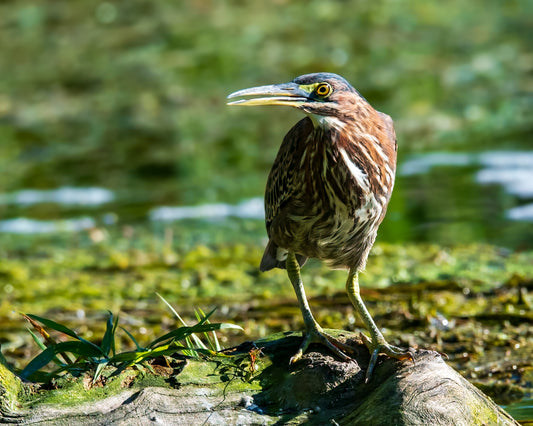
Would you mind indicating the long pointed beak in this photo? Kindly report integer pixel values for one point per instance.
(277, 94)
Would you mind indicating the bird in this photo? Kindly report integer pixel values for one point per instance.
(327, 193)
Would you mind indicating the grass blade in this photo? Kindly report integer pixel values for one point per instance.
(91, 357)
(108, 341)
(115, 325)
(212, 339)
(182, 332)
(38, 362)
(54, 326)
(61, 328)
(45, 357)
(172, 309)
(99, 370)
(180, 319)
(138, 347)
(47, 338)
(206, 317)
(42, 346)
(36, 339)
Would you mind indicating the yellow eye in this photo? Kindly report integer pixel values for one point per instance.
(323, 89)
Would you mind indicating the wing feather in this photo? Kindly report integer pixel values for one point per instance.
(280, 184)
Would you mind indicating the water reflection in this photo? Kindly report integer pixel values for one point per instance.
(423, 163)
(92, 196)
(516, 181)
(22, 225)
(521, 213)
(455, 200)
(248, 209)
(513, 170)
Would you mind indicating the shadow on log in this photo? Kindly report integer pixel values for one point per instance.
(316, 390)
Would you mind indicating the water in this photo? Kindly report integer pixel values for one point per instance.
(511, 169)
(62, 196)
(247, 209)
(521, 411)
(441, 197)
(464, 197)
(24, 225)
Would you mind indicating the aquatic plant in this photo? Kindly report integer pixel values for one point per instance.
(79, 356)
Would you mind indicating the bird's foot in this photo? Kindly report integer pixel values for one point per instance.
(380, 346)
(315, 335)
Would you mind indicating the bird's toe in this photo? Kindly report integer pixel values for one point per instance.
(382, 347)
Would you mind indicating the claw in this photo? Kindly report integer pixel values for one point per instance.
(382, 347)
(297, 356)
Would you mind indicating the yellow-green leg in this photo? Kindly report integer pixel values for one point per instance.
(313, 331)
(376, 344)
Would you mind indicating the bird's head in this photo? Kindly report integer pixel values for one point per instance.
(320, 95)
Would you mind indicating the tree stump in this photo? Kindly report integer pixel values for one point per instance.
(316, 390)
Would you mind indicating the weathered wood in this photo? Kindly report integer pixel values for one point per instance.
(316, 390)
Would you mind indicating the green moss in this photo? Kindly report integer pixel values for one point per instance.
(147, 379)
(10, 387)
(467, 300)
(76, 391)
(223, 373)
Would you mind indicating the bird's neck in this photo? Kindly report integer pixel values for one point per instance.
(362, 150)
(326, 123)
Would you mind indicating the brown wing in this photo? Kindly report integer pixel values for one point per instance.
(280, 184)
(389, 129)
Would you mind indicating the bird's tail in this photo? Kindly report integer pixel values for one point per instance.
(275, 257)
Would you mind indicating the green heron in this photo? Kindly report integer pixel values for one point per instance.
(328, 192)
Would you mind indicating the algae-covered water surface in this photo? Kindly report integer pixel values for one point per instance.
(123, 173)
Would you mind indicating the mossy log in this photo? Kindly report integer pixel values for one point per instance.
(316, 390)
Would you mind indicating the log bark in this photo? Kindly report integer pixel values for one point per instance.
(317, 390)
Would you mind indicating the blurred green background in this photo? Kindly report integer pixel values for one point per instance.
(130, 97)
(112, 111)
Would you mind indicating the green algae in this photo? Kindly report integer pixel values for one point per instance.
(224, 373)
(77, 391)
(310, 392)
(11, 388)
(470, 301)
(69, 391)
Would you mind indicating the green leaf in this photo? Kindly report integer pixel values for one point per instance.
(138, 347)
(115, 325)
(214, 344)
(74, 369)
(42, 346)
(182, 332)
(206, 317)
(227, 325)
(190, 347)
(172, 309)
(77, 348)
(36, 339)
(38, 362)
(108, 341)
(61, 328)
(55, 326)
(126, 356)
(201, 317)
(41, 377)
(99, 370)
(197, 341)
